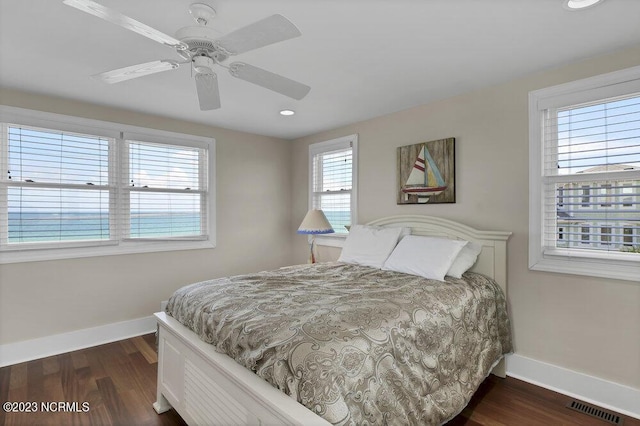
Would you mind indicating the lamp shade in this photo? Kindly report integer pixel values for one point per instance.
(315, 222)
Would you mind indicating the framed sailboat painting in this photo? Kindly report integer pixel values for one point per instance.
(426, 173)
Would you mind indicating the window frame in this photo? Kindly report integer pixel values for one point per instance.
(615, 265)
(335, 240)
(120, 133)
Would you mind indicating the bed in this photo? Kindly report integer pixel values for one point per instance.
(304, 365)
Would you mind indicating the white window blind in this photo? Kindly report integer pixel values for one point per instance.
(72, 187)
(584, 176)
(592, 176)
(332, 181)
(56, 187)
(166, 191)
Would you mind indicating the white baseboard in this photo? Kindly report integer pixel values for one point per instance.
(612, 396)
(14, 353)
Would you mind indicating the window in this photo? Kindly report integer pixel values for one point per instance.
(561, 197)
(585, 138)
(166, 194)
(627, 194)
(56, 187)
(584, 234)
(73, 187)
(606, 190)
(627, 237)
(332, 182)
(586, 196)
(605, 235)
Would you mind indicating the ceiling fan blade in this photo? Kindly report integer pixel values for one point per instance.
(124, 21)
(269, 80)
(267, 31)
(134, 71)
(208, 93)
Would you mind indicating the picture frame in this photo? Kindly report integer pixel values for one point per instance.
(426, 172)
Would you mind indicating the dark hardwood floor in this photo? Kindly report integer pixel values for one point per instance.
(117, 381)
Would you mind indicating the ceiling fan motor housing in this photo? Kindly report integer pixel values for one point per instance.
(201, 42)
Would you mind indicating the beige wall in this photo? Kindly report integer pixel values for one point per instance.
(253, 174)
(587, 325)
(584, 324)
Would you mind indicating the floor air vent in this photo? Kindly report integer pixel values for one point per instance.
(596, 412)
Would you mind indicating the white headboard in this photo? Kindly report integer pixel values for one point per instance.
(492, 260)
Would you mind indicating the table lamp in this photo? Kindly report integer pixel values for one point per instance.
(315, 222)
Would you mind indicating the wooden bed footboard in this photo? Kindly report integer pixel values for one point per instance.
(209, 388)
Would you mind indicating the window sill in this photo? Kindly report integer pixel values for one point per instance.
(332, 240)
(37, 255)
(615, 268)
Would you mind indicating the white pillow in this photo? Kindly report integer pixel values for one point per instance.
(369, 245)
(465, 260)
(428, 257)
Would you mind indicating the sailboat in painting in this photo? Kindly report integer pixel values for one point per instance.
(425, 180)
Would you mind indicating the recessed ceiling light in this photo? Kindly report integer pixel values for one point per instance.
(287, 112)
(580, 4)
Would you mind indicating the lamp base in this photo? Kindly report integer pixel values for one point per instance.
(312, 257)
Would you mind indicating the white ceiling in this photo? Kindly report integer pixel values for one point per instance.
(362, 58)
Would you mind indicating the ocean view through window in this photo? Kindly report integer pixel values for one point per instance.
(166, 191)
(57, 185)
(67, 186)
(332, 182)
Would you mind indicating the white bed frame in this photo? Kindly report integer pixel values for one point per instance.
(209, 388)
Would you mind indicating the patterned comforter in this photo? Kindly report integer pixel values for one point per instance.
(354, 344)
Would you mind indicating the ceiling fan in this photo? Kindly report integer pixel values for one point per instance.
(200, 46)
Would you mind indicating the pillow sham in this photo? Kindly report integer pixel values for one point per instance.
(369, 245)
(465, 260)
(428, 257)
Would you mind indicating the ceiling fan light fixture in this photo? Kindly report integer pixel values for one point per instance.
(203, 64)
(287, 112)
(580, 4)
